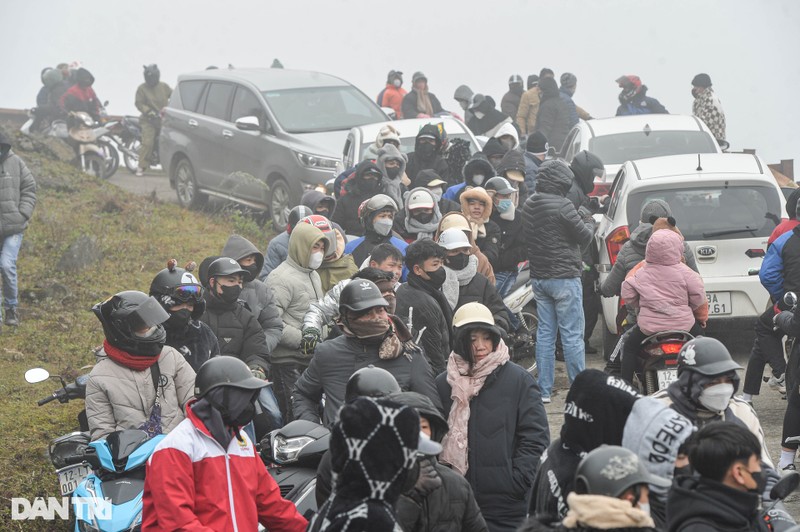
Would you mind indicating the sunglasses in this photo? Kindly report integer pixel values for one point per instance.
(188, 292)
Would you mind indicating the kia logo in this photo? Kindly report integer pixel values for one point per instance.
(706, 251)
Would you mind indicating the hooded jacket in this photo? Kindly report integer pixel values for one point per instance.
(583, 166)
(508, 129)
(488, 232)
(295, 286)
(528, 111)
(553, 120)
(426, 176)
(331, 272)
(313, 198)
(665, 290)
(437, 163)
(639, 104)
(411, 229)
(277, 251)
(478, 164)
(514, 161)
(510, 102)
(698, 504)
(393, 188)
(81, 97)
(255, 293)
(409, 106)
(554, 231)
(346, 213)
(492, 119)
(463, 92)
(17, 191)
(393, 97)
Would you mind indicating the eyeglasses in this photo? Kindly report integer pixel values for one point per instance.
(188, 292)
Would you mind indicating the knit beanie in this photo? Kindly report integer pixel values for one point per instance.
(658, 208)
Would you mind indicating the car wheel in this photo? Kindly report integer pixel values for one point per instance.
(186, 188)
(279, 202)
(609, 341)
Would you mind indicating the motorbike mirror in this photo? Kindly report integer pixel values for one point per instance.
(790, 299)
(248, 123)
(35, 375)
(785, 486)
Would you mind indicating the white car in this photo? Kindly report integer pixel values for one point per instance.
(726, 206)
(359, 138)
(627, 138)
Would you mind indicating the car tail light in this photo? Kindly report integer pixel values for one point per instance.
(615, 240)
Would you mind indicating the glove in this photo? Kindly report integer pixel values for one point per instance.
(428, 479)
(258, 373)
(311, 338)
(152, 114)
(584, 213)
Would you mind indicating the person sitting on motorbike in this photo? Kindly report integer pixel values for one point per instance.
(206, 474)
(664, 292)
(151, 96)
(80, 97)
(138, 382)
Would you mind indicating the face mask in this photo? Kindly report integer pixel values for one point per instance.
(683, 471)
(761, 482)
(479, 114)
(511, 209)
(148, 333)
(478, 179)
(315, 260)
(436, 278)
(437, 193)
(427, 151)
(369, 328)
(508, 144)
(716, 398)
(178, 320)
(645, 508)
(458, 262)
(503, 205)
(230, 294)
(397, 83)
(383, 226)
(392, 173)
(464, 104)
(423, 218)
(370, 185)
(252, 271)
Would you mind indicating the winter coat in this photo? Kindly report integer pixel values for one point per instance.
(478, 164)
(393, 97)
(237, 330)
(196, 343)
(313, 198)
(346, 213)
(708, 108)
(780, 270)
(507, 434)
(152, 100)
(394, 188)
(784, 227)
(698, 504)
(336, 360)
(428, 318)
(554, 230)
(193, 483)
(512, 248)
(532, 164)
(119, 398)
(528, 111)
(566, 97)
(81, 98)
(491, 121)
(481, 290)
(488, 237)
(513, 161)
(553, 120)
(437, 163)
(409, 106)
(640, 104)
(333, 272)
(509, 104)
(277, 251)
(295, 286)
(255, 293)
(361, 247)
(665, 290)
(17, 191)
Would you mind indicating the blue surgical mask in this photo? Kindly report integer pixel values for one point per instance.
(504, 205)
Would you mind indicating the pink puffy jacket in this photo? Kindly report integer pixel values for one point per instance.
(665, 291)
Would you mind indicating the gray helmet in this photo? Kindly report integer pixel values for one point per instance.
(225, 371)
(371, 382)
(499, 185)
(360, 295)
(706, 356)
(610, 470)
(568, 79)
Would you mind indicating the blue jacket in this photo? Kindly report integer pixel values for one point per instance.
(452, 192)
(780, 271)
(573, 112)
(277, 251)
(361, 247)
(531, 170)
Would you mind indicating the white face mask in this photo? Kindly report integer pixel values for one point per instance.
(645, 508)
(716, 397)
(437, 193)
(315, 260)
(478, 179)
(509, 213)
(478, 115)
(397, 83)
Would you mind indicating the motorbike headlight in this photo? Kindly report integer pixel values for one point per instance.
(316, 161)
(285, 450)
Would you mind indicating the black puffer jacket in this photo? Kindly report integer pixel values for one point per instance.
(507, 434)
(196, 343)
(492, 119)
(514, 160)
(513, 248)
(702, 505)
(434, 316)
(437, 163)
(237, 330)
(553, 120)
(481, 290)
(555, 232)
(583, 167)
(346, 213)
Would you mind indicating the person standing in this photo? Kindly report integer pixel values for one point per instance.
(528, 106)
(427, 154)
(17, 201)
(707, 107)
(556, 232)
(151, 96)
(511, 100)
(420, 103)
(633, 99)
(392, 95)
(553, 119)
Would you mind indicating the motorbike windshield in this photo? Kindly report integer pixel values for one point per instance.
(122, 443)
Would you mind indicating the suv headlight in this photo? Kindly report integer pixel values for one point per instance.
(285, 450)
(316, 161)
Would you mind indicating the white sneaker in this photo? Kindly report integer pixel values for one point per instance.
(778, 383)
(139, 172)
(546, 400)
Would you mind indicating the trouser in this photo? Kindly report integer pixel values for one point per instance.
(284, 376)
(149, 139)
(591, 304)
(630, 349)
(504, 281)
(560, 309)
(791, 419)
(767, 349)
(9, 251)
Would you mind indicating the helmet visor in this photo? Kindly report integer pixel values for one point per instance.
(146, 315)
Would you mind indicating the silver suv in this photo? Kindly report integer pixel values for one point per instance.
(258, 136)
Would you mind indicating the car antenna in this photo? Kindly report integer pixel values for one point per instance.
(699, 165)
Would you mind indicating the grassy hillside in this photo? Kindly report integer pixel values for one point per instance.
(135, 236)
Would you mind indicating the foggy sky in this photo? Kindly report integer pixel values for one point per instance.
(749, 48)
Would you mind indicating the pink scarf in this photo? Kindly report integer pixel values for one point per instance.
(463, 387)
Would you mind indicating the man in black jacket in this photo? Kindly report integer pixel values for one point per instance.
(553, 119)
(421, 303)
(556, 232)
(363, 184)
(427, 154)
(512, 248)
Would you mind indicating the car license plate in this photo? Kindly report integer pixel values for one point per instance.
(719, 303)
(666, 377)
(69, 477)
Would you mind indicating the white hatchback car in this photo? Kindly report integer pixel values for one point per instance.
(627, 138)
(726, 206)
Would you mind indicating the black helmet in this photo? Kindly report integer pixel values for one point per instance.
(360, 295)
(152, 75)
(295, 215)
(610, 470)
(127, 312)
(706, 356)
(586, 166)
(225, 370)
(224, 266)
(173, 286)
(370, 382)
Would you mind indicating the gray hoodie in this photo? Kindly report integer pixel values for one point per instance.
(392, 187)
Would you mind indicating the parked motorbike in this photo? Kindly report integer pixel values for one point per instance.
(775, 515)
(127, 135)
(520, 303)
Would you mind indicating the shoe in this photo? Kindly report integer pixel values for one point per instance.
(790, 467)
(12, 318)
(546, 400)
(778, 383)
(139, 172)
(589, 350)
(741, 398)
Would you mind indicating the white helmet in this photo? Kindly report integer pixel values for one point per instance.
(472, 313)
(453, 238)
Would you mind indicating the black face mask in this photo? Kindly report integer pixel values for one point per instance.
(237, 407)
(684, 471)
(423, 218)
(761, 482)
(393, 172)
(426, 151)
(230, 294)
(436, 278)
(370, 185)
(178, 320)
(458, 262)
(324, 212)
(252, 272)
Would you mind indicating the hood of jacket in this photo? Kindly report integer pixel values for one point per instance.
(426, 176)
(353, 185)
(508, 129)
(457, 219)
(478, 164)
(664, 247)
(640, 236)
(238, 247)
(554, 177)
(583, 167)
(432, 130)
(726, 507)
(5, 147)
(425, 408)
(493, 147)
(478, 193)
(313, 198)
(512, 160)
(548, 88)
(390, 152)
(302, 240)
(84, 78)
(463, 93)
(202, 270)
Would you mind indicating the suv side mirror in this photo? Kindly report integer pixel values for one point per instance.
(389, 112)
(248, 123)
(724, 145)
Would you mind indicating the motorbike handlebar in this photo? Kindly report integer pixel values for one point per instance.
(46, 400)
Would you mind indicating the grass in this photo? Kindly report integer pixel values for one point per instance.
(136, 237)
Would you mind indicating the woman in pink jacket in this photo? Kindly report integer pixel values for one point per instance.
(664, 292)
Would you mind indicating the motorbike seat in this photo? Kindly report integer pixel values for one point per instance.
(675, 336)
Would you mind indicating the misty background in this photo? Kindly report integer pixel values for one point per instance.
(749, 48)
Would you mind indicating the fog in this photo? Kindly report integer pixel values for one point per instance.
(749, 48)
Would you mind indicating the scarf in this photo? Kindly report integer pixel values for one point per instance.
(422, 230)
(463, 387)
(423, 102)
(600, 512)
(450, 287)
(123, 358)
(394, 342)
(466, 274)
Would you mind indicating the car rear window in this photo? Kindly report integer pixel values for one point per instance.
(190, 94)
(715, 212)
(616, 149)
(317, 109)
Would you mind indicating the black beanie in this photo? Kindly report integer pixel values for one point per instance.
(702, 80)
(537, 143)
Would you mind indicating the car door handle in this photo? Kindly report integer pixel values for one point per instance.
(193, 123)
(227, 134)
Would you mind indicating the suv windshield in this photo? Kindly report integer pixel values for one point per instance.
(716, 212)
(311, 110)
(616, 149)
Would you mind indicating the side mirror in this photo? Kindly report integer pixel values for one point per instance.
(35, 375)
(785, 486)
(248, 123)
(105, 103)
(389, 112)
(724, 145)
(790, 299)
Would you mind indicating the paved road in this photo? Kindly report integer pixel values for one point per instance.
(152, 182)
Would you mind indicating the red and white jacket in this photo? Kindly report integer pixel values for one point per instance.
(193, 484)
